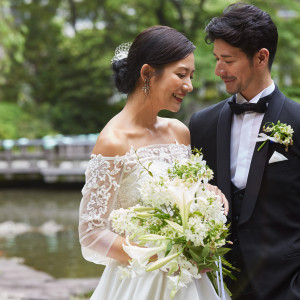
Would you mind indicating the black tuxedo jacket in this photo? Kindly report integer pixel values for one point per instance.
(269, 223)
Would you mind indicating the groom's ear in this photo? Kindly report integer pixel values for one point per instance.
(262, 58)
(146, 72)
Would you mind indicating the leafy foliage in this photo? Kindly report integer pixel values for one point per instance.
(17, 122)
(11, 41)
(57, 54)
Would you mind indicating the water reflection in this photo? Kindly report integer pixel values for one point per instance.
(51, 242)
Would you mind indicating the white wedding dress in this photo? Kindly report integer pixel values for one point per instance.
(112, 183)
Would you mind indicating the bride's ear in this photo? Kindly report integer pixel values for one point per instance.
(146, 72)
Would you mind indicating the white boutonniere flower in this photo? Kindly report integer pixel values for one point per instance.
(280, 133)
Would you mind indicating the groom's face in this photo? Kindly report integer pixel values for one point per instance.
(235, 69)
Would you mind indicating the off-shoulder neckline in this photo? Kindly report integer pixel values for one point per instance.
(132, 150)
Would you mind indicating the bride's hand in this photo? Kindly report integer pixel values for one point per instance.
(205, 270)
(223, 199)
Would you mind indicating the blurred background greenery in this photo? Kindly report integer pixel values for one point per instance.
(55, 73)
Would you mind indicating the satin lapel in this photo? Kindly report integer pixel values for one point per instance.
(223, 153)
(259, 159)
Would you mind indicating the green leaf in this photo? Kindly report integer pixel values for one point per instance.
(196, 253)
(222, 251)
(169, 247)
(205, 252)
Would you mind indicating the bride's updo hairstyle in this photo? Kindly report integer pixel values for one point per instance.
(156, 46)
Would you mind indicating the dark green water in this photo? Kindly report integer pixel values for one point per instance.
(58, 254)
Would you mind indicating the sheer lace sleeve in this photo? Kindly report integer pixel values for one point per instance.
(99, 196)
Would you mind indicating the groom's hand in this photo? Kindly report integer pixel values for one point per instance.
(223, 199)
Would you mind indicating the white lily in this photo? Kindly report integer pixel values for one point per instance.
(144, 215)
(183, 199)
(173, 282)
(171, 267)
(152, 237)
(141, 209)
(141, 254)
(175, 226)
(163, 261)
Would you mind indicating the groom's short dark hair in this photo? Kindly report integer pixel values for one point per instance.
(246, 27)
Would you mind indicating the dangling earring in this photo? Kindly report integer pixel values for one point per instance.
(146, 86)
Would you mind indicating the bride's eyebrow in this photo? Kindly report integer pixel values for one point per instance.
(186, 69)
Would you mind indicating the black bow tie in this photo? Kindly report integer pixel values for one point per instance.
(259, 107)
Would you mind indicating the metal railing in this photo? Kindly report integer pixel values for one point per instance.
(52, 158)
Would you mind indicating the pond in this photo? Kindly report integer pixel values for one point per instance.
(40, 226)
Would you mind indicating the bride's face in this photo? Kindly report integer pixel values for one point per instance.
(169, 88)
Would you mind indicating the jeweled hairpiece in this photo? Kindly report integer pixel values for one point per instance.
(121, 52)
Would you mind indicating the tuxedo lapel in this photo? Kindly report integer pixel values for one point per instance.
(259, 159)
(223, 153)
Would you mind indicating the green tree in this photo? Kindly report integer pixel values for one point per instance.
(64, 80)
(11, 42)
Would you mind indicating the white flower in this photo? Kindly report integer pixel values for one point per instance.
(184, 264)
(140, 254)
(194, 207)
(185, 277)
(171, 267)
(152, 237)
(154, 193)
(170, 232)
(183, 198)
(139, 208)
(123, 221)
(175, 226)
(196, 231)
(161, 262)
(173, 285)
(277, 137)
(280, 133)
(144, 215)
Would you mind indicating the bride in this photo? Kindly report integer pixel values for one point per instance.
(156, 75)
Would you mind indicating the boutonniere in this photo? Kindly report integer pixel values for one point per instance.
(279, 133)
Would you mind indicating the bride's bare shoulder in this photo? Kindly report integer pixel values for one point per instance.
(111, 141)
(179, 130)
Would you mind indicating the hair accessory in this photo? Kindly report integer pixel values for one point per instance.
(146, 86)
(121, 52)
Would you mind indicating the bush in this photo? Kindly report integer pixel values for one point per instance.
(10, 115)
(29, 122)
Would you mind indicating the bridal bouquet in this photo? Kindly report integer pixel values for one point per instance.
(179, 226)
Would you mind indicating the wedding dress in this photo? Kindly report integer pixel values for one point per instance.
(112, 183)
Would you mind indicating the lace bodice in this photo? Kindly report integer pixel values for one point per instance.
(112, 183)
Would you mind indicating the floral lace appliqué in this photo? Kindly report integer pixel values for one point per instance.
(113, 182)
(101, 185)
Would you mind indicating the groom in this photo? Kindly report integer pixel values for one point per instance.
(262, 187)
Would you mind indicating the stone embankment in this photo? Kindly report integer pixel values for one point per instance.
(20, 282)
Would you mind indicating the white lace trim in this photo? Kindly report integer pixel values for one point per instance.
(156, 148)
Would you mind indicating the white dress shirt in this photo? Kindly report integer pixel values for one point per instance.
(244, 131)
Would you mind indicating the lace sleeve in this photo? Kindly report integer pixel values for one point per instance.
(99, 196)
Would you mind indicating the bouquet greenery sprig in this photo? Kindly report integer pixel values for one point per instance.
(178, 220)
